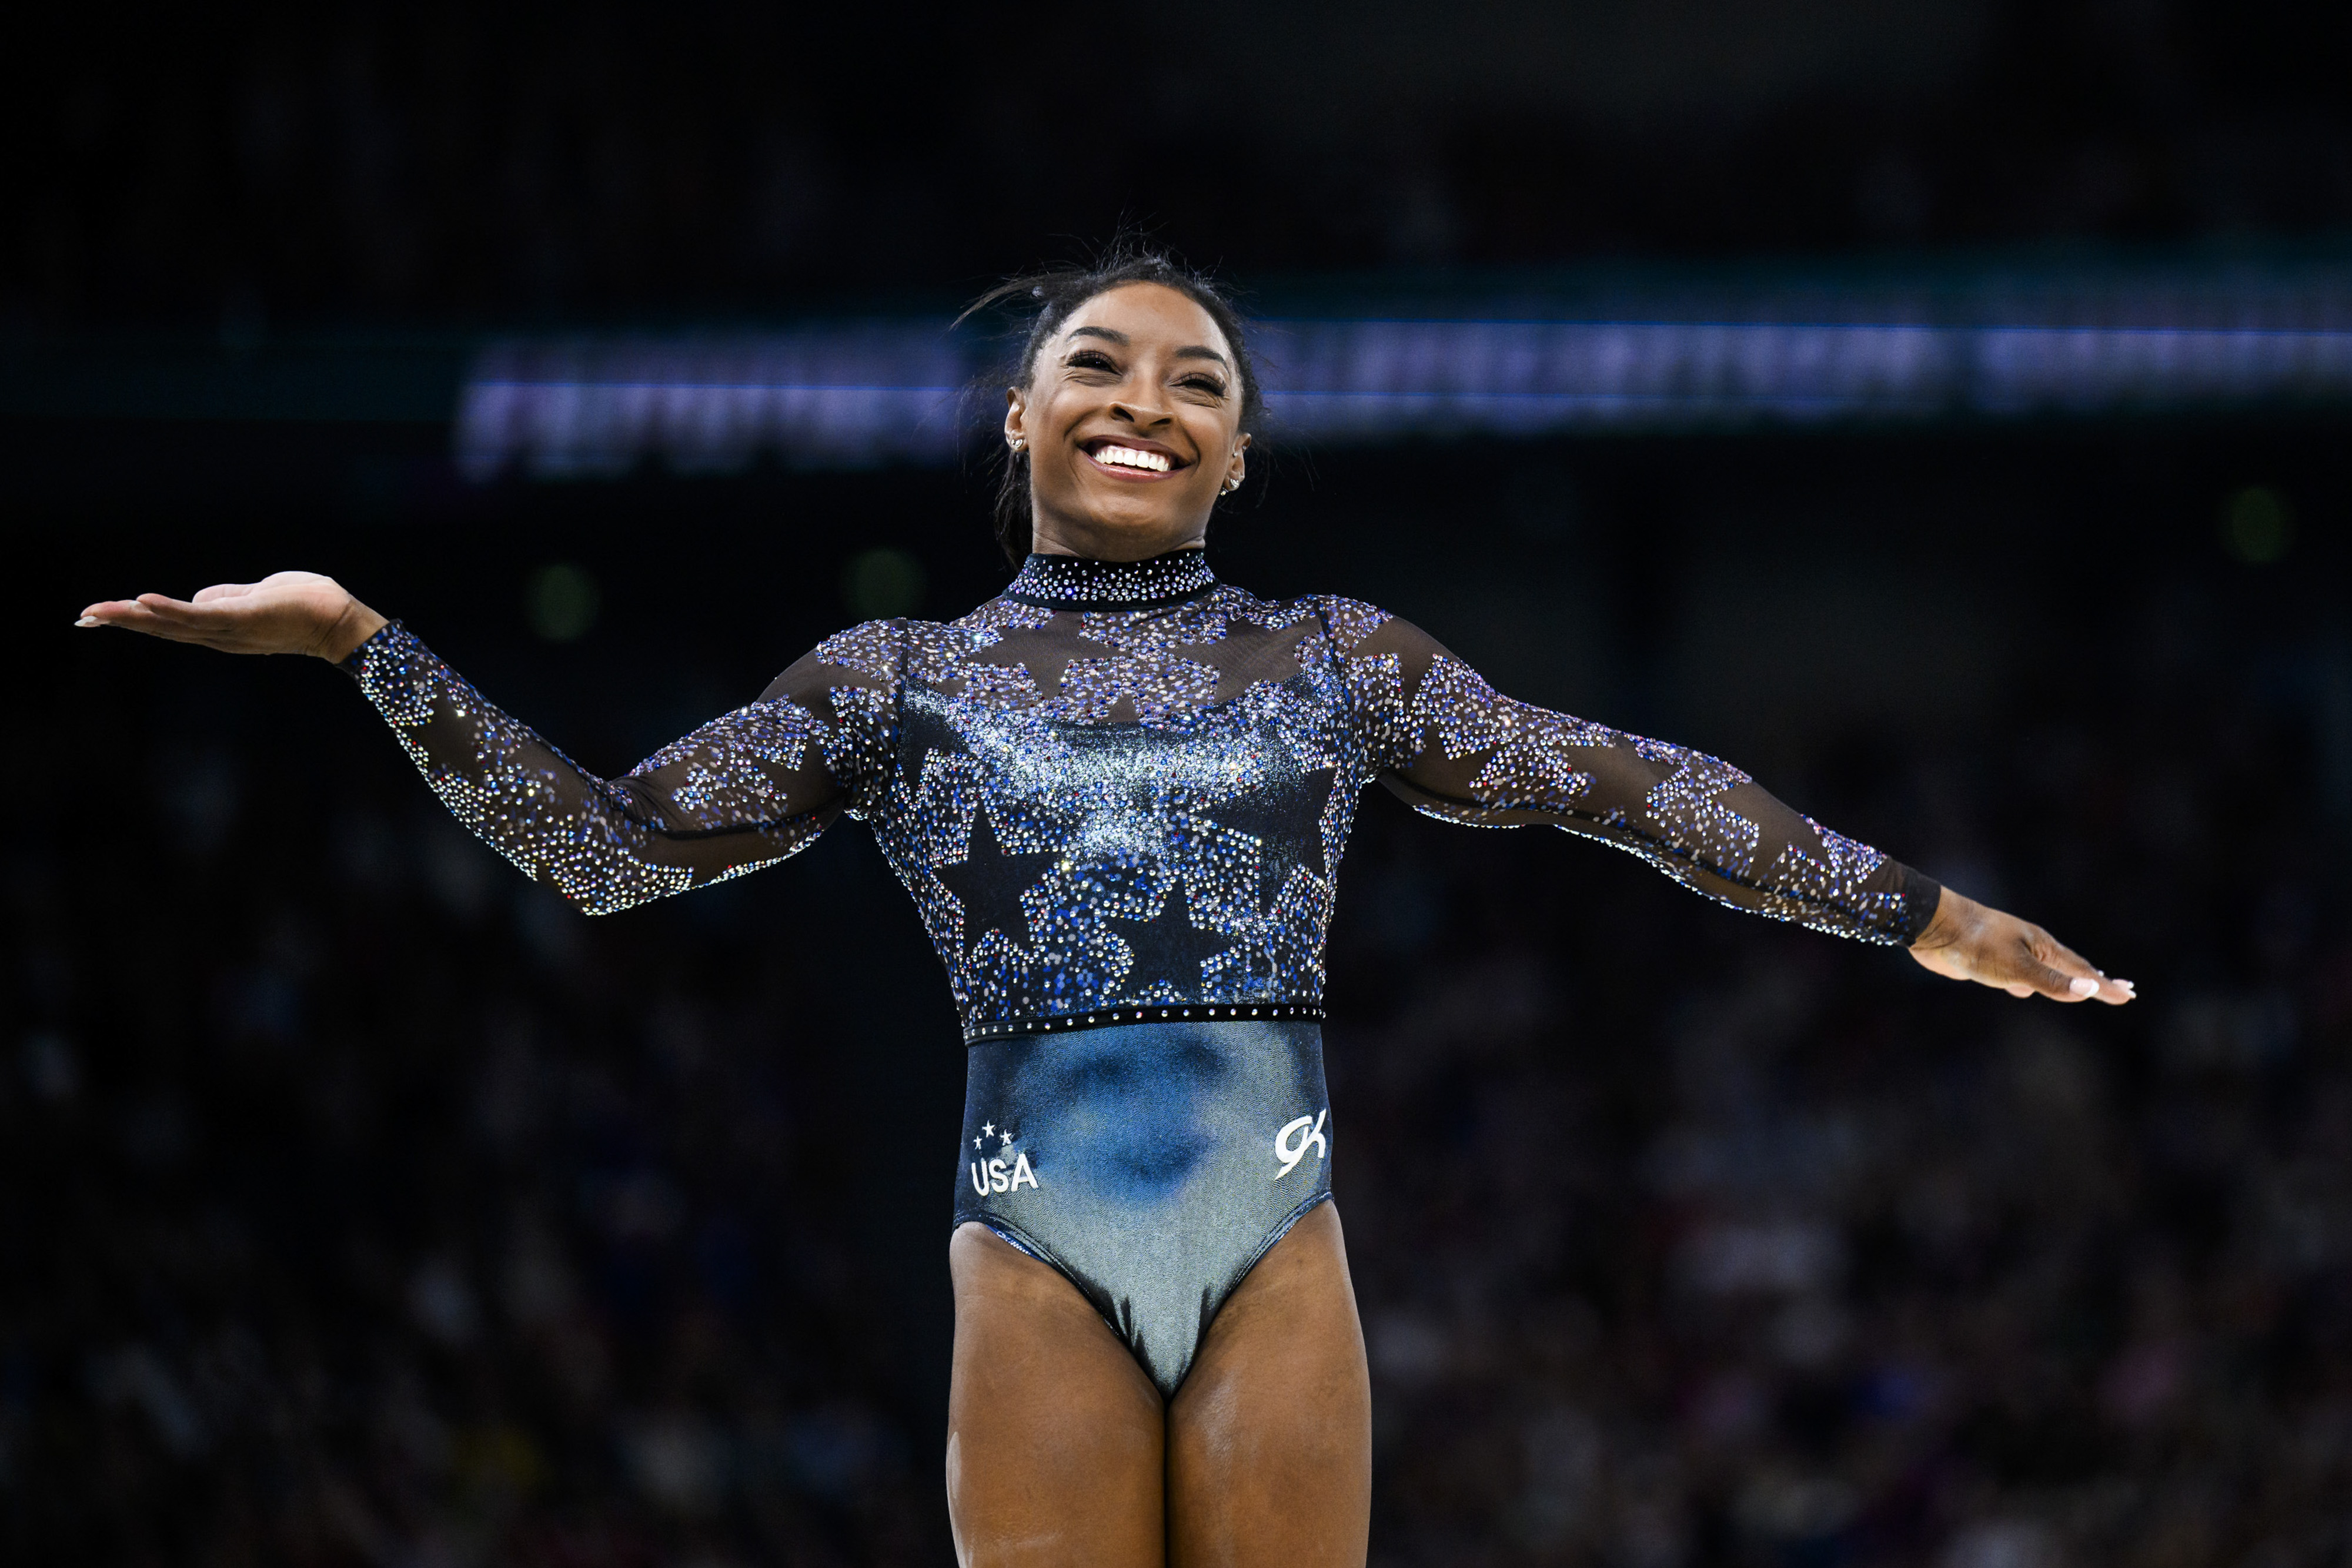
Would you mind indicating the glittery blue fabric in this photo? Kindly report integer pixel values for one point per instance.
(1117, 790)
(1151, 1163)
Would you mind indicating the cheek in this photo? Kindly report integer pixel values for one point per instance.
(1216, 439)
(1212, 434)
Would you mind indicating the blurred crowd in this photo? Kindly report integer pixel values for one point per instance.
(434, 164)
(365, 1205)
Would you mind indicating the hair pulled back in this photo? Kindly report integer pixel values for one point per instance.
(1047, 297)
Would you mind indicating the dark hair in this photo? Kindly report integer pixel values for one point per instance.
(1049, 296)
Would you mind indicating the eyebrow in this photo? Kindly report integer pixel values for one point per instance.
(1112, 334)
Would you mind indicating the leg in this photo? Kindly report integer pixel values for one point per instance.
(1270, 1439)
(1055, 1438)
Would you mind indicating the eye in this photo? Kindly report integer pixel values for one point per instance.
(1204, 383)
(1090, 359)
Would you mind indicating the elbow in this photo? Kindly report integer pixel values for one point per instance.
(610, 889)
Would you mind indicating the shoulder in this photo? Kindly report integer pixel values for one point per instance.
(1361, 631)
(871, 654)
(873, 649)
(902, 647)
(1346, 621)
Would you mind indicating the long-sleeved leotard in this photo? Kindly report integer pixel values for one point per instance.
(1118, 795)
(1118, 791)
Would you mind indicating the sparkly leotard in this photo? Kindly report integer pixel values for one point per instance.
(1119, 793)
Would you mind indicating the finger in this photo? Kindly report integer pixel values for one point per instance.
(2020, 959)
(136, 615)
(124, 613)
(197, 622)
(2057, 983)
(2084, 982)
(175, 609)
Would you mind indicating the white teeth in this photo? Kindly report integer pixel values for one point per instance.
(1128, 458)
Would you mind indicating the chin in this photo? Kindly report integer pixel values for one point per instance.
(1132, 532)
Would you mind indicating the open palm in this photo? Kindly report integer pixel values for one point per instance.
(285, 612)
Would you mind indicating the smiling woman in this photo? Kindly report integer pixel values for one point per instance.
(1119, 793)
(1134, 319)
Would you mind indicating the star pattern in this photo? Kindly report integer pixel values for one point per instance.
(1169, 948)
(1174, 751)
(1247, 656)
(988, 883)
(1273, 816)
(1047, 657)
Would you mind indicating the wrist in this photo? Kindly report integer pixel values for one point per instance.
(354, 626)
(1946, 926)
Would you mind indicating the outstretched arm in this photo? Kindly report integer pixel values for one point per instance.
(1453, 746)
(741, 792)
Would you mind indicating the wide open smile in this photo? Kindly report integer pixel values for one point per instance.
(1128, 458)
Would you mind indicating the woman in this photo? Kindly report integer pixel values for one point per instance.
(1118, 793)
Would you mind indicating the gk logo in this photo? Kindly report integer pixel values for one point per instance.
(1291, 1144)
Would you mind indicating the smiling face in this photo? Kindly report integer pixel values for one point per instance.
(1132, 423)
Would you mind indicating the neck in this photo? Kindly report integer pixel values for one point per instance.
(1080, 582)
(1090, 540)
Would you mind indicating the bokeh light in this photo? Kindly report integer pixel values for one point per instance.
(561, 601)
(2258, 526)
(882, 583)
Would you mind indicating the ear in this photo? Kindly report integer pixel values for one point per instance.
(1016, 411)
(1239, 466)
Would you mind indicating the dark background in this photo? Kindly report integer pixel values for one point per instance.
(250, 165)
(363, 1206)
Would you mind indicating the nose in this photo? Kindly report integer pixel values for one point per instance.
(1142, 410)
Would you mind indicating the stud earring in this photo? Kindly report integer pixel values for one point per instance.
(1015, 445)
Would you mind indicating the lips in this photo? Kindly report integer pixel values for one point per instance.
(1132, 459)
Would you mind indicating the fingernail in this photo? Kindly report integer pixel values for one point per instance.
(2083, 986)
(89, 621)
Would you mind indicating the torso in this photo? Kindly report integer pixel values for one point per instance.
(1109, 814)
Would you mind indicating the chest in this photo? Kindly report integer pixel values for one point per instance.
(1264, 765)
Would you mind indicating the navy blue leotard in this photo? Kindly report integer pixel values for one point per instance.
(1119, 793)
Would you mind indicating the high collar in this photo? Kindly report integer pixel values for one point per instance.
(1072, 582)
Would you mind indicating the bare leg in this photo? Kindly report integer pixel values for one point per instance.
(1270, 1439)
(1057, 1441)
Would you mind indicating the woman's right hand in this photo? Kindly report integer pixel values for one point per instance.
(285, 612)
(1972, 941)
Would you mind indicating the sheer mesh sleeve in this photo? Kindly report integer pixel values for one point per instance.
(741, 792)
(1453, 746)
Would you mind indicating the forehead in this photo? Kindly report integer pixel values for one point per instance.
(1149, 311)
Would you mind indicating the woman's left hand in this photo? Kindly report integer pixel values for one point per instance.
(1972, 941)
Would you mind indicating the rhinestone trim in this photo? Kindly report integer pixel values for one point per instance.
(1141, 1013)
(1072, 582)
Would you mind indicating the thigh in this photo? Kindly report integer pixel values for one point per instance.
(1055, 1438)
(1270, 1439)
